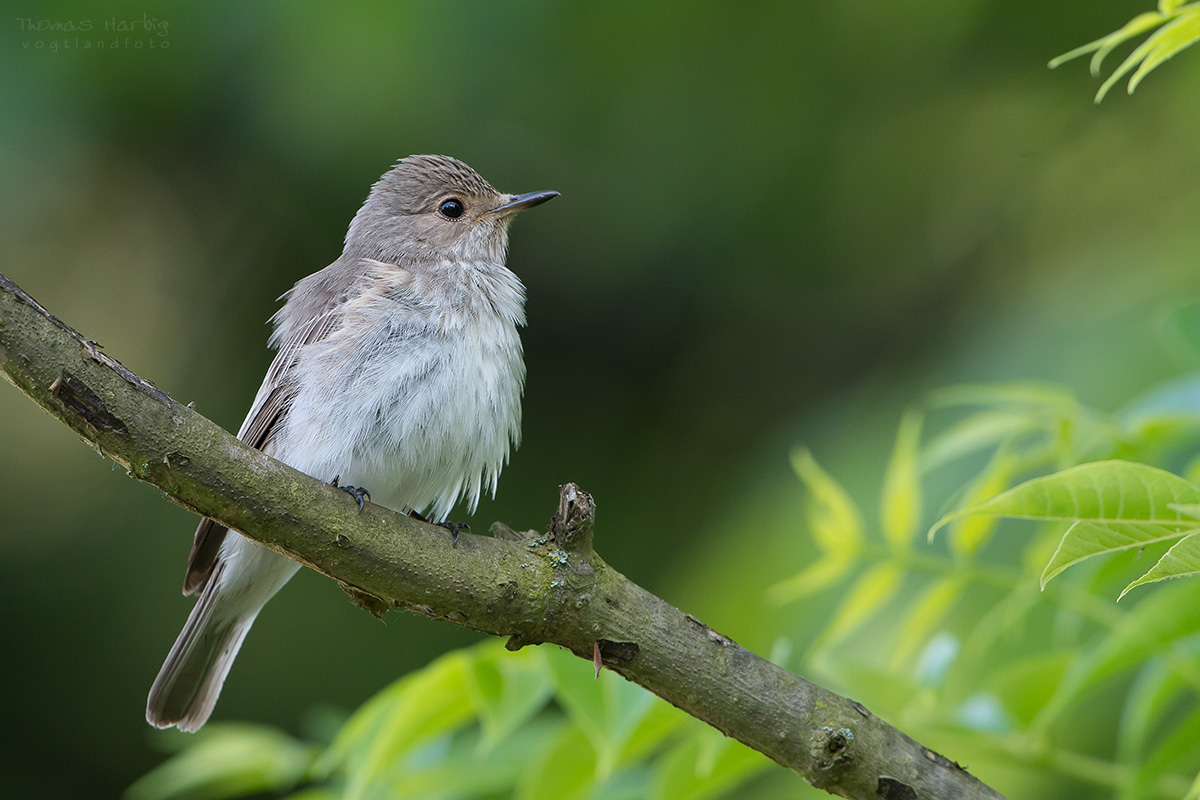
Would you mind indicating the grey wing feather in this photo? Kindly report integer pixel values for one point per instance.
(270, 405)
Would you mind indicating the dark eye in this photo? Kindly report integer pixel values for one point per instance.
(451, 208)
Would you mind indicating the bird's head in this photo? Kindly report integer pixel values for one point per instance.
(436, 207)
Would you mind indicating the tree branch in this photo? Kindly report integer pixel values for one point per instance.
(532, 588)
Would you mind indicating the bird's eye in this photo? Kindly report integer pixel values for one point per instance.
(451, 208)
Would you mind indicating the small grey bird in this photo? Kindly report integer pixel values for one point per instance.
(399, 369)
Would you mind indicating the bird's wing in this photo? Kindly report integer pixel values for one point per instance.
(272, 402)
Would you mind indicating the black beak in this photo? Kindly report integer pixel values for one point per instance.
(521, 202)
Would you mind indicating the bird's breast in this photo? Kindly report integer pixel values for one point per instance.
(418, 405)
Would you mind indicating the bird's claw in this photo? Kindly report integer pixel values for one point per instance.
(454, 528)
(357, 492)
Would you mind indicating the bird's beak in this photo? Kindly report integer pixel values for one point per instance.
(520, 202)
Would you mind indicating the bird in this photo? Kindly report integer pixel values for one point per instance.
(399, 372)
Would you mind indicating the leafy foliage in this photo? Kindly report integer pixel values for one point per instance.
(972, 639)
(1178, 26)
(1111, 505)
(477, 723)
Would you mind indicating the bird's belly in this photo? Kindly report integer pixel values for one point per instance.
(419, 422)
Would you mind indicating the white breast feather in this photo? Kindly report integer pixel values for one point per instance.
(417, 401)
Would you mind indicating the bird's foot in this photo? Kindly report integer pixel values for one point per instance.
(357, 492)
(453, 527)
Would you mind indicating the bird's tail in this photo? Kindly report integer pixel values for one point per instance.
(191, 678)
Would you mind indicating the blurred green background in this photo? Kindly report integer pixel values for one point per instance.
(780, 223)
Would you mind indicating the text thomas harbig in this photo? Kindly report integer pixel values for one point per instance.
(146, 25)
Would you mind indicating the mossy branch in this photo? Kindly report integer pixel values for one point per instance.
(531, 588)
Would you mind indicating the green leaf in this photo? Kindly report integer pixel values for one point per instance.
(870, 593)
(983, 647)
(565, 769)
(1100, 491)
(1187, 509)
(508, 689)
(464, 768)
(1106, 44)
(968, 534)
(1194, 792)
(835, 525)
(314, 793)
(1040, 548)
(411, 712)
(1176, 750)
(901, 502)
(818, 575)
(1029, 395)
(1181, 561)
(1135, 27)
(976, 432)
(606, 708)
(706, 765)
(1165, 43)
(229, 760)
(1033, 422)
(833, 518)
(660, 721)
(1178, 27)
(1157, 47)
(1154, 625)
(1024, 684)
(923, 616)
(1154, 692)
(1085, 539)
(583, 697)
